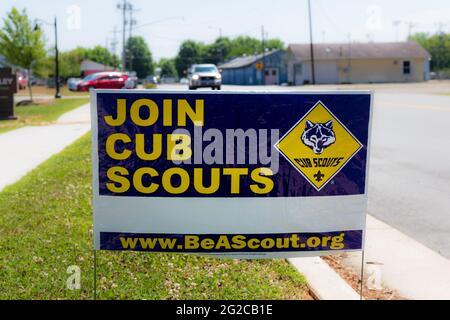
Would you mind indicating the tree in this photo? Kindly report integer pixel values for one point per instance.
(190, 52)
(244, 45)
(274, 44)
(139, 56)
(438, 45)
(99, 54)
(221, 50)
(21, 44)
(218, 51)
(168, 68)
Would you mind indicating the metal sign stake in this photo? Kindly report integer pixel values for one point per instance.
(362, 276)
(95, 274)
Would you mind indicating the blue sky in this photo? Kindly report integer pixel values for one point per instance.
(89, 22)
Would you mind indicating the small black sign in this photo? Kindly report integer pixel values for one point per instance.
(8, 86)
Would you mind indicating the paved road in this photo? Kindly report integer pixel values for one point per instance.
(409, 186)
(409, 183)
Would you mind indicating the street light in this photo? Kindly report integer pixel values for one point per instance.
(55, 25)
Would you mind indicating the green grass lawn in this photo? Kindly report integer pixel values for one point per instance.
(40, 114)
(46, 226)
(42, 90)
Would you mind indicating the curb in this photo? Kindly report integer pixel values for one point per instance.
(323, 281)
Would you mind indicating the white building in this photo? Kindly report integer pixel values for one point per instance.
(358, 63)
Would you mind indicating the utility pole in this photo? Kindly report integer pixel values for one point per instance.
(124, 7)
(440, 32)
(349, 66)
(410, 25)
(132, 23)
(55, 25)
(396, 24)
(311, 45)
(114, 43)
(57, 94)
(263, 42)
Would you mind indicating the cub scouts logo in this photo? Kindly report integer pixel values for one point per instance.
(318, 146)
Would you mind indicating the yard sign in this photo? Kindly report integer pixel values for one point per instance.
(232, 174)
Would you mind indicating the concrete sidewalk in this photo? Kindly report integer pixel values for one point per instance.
(24, 149)
(405, 265)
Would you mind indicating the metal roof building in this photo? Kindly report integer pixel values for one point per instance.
(358, 62)
(88, 67)
(249, 70)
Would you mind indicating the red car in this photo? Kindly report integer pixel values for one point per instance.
(103, 80)
(22, 80)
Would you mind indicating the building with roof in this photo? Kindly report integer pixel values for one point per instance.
(358, 63)
(88, 67)
(249, 70)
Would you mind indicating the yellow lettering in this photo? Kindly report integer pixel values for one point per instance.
(111, 146)
(253, 244)
(121, 114)
(137, 180)
(136, 116)
(198, 181)
(167, 180)
(191, 242)
(223, 242)
(156, 150)
(238, 242)
(235, 174)
(115, 174)
(207, 244)
(185, 110)
(259, 175)
(128, 242)
(167, 109)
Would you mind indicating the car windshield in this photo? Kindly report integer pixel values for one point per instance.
(90, 77)
(205, 69)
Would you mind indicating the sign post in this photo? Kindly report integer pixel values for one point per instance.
(8, 86)
(234, 174)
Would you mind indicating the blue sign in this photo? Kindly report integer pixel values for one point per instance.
(224, 151)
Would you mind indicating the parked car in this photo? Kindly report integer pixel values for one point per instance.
(204, 75)
(151, 79)
(103, 80)
(184, 81)
(22, 80)
(72, 83)
(132, 81)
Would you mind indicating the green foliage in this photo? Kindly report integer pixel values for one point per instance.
(221, 50)
(168, 68)
(140, 56)
(70, 61)
(20, 43)
(46, 226)
(273, 44)
(99, 54)
(190, 52)
(245, 45)
(438, 45)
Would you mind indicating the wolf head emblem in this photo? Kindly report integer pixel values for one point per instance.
(318, 136)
